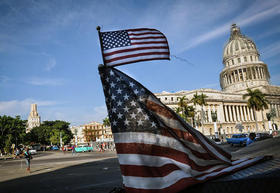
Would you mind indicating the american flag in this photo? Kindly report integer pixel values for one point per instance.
(157, 150)
(133, 45)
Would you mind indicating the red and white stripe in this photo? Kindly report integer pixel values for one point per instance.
(166, 163)
(146, 44)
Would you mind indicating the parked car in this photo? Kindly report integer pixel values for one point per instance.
(54, 148)
(217, 141)
(262, 136)
(83, 149)
(239, 139)
(32, 151)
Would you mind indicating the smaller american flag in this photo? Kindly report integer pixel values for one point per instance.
(133, 45)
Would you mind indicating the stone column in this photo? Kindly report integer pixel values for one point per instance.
(209, 114)
(234, 113)
(241, 113)
(252, 114)
(248, 113)
(226, 113)
(238, 113)
(220, 113)
(244, 112)
(230, 113)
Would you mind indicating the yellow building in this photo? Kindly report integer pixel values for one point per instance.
(95, 131)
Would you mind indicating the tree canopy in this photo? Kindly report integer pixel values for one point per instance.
(49, 133)
(12, 131)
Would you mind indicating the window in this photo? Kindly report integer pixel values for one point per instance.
(245, 59)
(239, 61)
(166, 98)
(171, 98)
(251, 57)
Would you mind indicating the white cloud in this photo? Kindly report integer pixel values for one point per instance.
(271, 50)
(45, 81)
(21, 107)
(261, 12)
(51, 64)
(4, 79)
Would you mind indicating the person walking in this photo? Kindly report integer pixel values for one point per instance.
(27, 157)
(73, 150)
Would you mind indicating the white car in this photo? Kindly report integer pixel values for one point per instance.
(32, 151)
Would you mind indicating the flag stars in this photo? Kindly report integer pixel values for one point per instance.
(114, 110)
(139, 110)
(126, 122)
(114, 123)
(125, 97)
(112, 73)
(146, 117)
(113, 97)
(126, 109)
(153, 124)
(133, 115)
(119, 91)
(139, 122)
(120, 115)
(119, 103)
(136, 91)
(131, 84)
(112, 85)
(107, 79)
(133, 103)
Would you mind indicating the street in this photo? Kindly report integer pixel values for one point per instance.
(58, 172)
(92, 172)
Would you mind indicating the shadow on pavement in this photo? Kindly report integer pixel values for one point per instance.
(96, 177)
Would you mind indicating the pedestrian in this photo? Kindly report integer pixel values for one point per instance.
(17, 153)
(63, 149)
(251, 139)
(27, 157)
(73, 150)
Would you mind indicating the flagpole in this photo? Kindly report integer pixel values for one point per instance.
(101, 45)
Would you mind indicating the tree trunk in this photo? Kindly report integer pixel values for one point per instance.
(255, 115)
(263, 120)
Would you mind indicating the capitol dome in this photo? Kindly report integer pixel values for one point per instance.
(239, 44)
(242, 66)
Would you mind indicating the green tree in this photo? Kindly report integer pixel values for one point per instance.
(12, 131)
(49, 132)
(200, 100)
(256, 101)
(106, 122)
(182, 105)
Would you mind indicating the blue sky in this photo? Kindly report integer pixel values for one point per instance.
(49, 50)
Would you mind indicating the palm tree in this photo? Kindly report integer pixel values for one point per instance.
(200, 100)
(106, 122)
(257, 102)
(190, 112)
(182, 105)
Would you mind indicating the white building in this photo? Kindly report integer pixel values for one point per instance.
(34, 119)
(242, 69)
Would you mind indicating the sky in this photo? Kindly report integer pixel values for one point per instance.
(50, 52)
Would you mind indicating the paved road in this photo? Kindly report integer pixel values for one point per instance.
(55, 172)
(93, 172)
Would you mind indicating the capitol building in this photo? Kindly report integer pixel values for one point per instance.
(242, 69)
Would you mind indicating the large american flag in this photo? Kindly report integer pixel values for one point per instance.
(157, 150)
(133, 45)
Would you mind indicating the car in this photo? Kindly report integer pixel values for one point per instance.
(55, 148)
(239, 139)
(32, 151)
(217, 141)
(263, 136)
(83, 148)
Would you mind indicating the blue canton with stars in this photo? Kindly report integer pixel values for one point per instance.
(125, 100)
(115, 39)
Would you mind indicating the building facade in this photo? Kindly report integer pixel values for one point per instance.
(95, 131)
(242, 69)
(34, 119)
